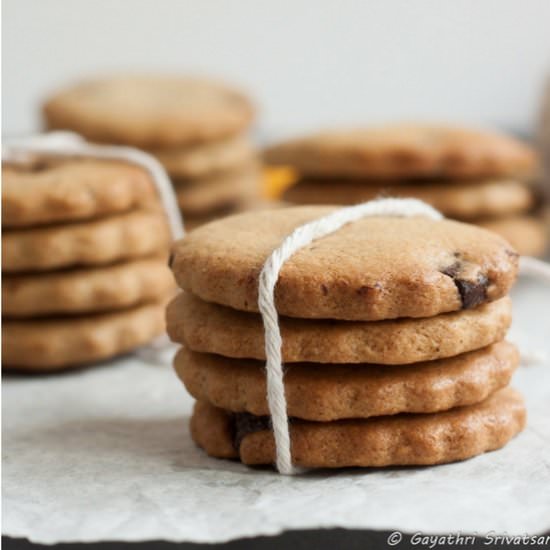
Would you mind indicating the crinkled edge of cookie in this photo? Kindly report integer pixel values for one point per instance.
(87, 290)
(211, 328)
(332, 392)
(131, 235)
(56, 344)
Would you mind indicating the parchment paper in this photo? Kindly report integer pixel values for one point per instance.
(105, 454)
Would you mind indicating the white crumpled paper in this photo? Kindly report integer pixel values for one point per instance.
(105, 454)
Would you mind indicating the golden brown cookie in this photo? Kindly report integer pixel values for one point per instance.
(97, 242)
(331, 392)
(150, 112)
(464, 200)
(97, 289)
(211, 328)
(373, 269)
(405, 150)
(55, 344)
(527, 234)
(207, 159)
(49, 191)
(201, 196)
(408, 439)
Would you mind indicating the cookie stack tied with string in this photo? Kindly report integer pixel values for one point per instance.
(470, 175)
(392, 337)
(85, 245)
(197, 128)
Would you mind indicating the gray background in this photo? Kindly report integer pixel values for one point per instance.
(309, 63)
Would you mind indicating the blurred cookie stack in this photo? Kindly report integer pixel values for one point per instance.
(474, 176)
(84, 269)
(196, 128)
(392, 340)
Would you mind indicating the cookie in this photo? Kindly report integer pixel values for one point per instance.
(405, 150)
(210, 328)
(331, 392)
(463, 200)
(207, 159)
(373, 269)
(55, 344)
(49, 191)
(527, 234)
(150, 112)
(201, 196)
(97, 242)
(409, 439)
(76, 291)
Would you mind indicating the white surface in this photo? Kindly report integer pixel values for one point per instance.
(105, 454)
(309, 63)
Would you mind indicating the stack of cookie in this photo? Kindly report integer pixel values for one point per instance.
(195, 127)
(468, 175)
(393, 340)
(84, 270)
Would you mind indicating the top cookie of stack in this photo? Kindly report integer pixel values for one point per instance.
(469, 175)
(392, 334)
(84, 262)
(195, 127)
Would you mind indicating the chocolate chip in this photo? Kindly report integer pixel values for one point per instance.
(324, 290)
(472, 292)
(245, 423)
(363, 290)
(171, 260)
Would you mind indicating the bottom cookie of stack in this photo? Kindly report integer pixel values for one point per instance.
(409, 439)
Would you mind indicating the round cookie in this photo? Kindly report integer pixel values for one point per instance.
(210, 328)
(527, 234)
(207, 159)
(131, 235)
(412, 439)
(405, 150)
(464, 200)
(217, 192)
(97, 289)
(70, 190)
(331, 392)
(56, 344)
(373, 269)
(150, 112)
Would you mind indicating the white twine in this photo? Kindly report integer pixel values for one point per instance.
(69, 145)
(299, 238)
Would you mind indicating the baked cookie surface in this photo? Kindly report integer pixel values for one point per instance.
(129, 235)
(104, 288)
(57, 343)
(71, 190)
(405, 150)
(466, 200)
(332, 392)
(373, 269)
(210, 328)
(411, 439)
(150, 111)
